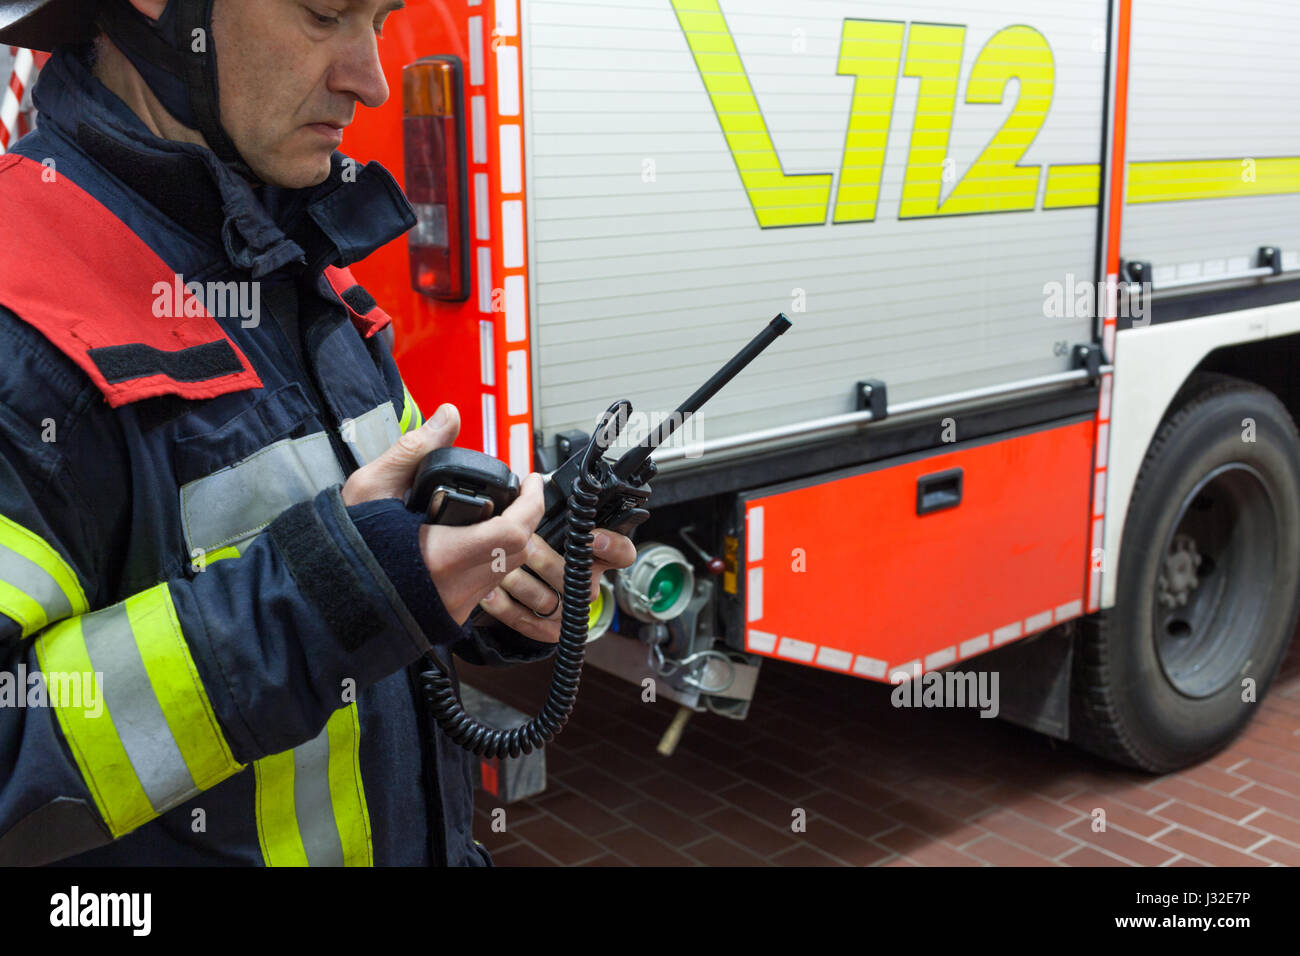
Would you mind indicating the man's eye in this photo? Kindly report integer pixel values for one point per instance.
(323, 19)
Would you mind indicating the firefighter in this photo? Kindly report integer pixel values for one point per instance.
(214, 608)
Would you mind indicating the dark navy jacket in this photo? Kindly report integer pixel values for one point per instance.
(256, 643)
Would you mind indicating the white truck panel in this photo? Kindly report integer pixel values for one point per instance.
(1212, 80)
(642, 285)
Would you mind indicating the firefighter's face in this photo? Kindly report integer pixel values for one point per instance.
(290, 75)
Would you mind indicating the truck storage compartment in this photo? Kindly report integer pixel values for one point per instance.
(913, 563)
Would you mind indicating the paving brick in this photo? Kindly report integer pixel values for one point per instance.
(762, 803)
(1279, 852)
(576, 809)
(1049, 813)
(1203, 798)
(1126, 845)
(1277, 736)
(1087, 856)
(1288, 806)
(666, 823)
(793, 755)
(804, 855)
(993, 849)
(750, 832)
(948, 800)
(841, 844)
(1206, 850)
(1206, 824)
(1120, 813)
(703, 773)
(847, 782)
(778, 779)
(1278, 826)
(1272, 775)
(521, 854)
(627, 767)
(557, 840)
(920, 849)
(674, 791)
(931, 822)
(1267, 754)
(1188, 861)
(847, 813)
(600, 787)
(717, 851)
(1025, 832)
(607, 859)
(641, 849)
(1206, 775)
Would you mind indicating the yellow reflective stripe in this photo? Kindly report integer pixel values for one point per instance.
(277, 823)
(23, 608)
(1212, 178)
(36, 550)
(346, 791)
(176, 682)
(94, 741)
(1069, 186)
(36, 584)
(155, 741)
(230, 551)
(279, 831)
(411, 417)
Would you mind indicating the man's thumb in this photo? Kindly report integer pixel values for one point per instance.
(390, 475)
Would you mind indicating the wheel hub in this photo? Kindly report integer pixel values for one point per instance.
(1178, 578)
(1213, 580)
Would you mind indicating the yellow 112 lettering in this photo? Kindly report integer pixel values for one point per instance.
(871, 52)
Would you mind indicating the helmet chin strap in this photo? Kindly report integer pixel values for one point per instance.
(176, 58)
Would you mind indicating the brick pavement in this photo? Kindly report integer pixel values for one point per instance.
(879, 785)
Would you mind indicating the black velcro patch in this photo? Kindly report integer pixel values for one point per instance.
(324, 576)
(359, 300)
(198, 363)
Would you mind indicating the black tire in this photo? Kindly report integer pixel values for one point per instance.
(1158, 684)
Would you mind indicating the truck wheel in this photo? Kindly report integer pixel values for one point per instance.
(1207, 594)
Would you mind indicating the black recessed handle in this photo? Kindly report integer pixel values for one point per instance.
(938, 491)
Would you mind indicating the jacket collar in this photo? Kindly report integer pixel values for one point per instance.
(259, 230)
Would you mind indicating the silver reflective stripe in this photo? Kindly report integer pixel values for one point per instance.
(35, 582)
(237, 502)
(312, 803)
(137, 716)
(370, 435)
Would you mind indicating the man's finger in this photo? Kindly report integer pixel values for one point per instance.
(528, 509)
(390, 475)
(514, 615)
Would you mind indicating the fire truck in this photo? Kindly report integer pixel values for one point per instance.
(1035, 413)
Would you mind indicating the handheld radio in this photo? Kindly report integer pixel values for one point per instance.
(458, 486)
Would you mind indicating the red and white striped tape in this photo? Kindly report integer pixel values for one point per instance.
(22, 67)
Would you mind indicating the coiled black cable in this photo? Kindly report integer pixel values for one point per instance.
(486, 741)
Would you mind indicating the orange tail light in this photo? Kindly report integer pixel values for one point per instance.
(433, 140)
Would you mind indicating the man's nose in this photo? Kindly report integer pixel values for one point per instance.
(359, 72)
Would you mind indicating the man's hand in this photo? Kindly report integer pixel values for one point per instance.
(465, 563)
(521, 597)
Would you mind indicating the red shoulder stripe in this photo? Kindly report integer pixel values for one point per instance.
(366, 314)
(79, 275)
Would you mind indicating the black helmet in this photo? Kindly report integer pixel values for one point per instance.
(181, 72)
(45, 24)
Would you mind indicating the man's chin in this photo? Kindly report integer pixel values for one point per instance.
(302, 173)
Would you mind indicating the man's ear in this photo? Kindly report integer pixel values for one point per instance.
(153, 9)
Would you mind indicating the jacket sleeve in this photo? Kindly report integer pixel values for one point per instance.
(116, 707)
